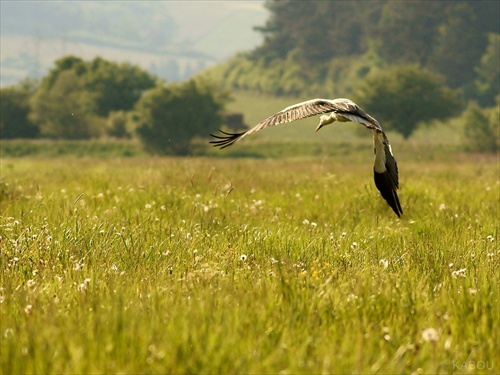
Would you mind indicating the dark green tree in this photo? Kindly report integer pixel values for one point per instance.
(113, 86)
(76, 96)
(459, 45)
(116, 86)
(168, 117)
(68, 63)
(481, 130)
(66, 110)
(14, 111)
(488, 72)
(117, 124)
(318, 30)
(403, 96)
(406, 31)
(308, 43)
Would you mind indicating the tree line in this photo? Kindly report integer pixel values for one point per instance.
(81, 99)
(406, 62)
(456, 39)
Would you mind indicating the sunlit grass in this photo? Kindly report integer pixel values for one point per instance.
(204, 265)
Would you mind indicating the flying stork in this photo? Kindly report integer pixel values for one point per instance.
(385, 167)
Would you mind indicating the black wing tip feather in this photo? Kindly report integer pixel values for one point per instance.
(225, 140)
(387, 189)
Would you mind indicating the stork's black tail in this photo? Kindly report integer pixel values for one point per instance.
(387, 182)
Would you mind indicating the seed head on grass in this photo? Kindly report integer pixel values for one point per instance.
(28, 309)
(430, 335)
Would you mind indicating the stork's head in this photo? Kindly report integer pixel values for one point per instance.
(325, 120)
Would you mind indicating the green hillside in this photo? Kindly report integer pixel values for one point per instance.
(321, 48)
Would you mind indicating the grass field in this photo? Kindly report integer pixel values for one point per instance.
(249, 265)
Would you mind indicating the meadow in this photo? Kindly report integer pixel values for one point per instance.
(249, 265)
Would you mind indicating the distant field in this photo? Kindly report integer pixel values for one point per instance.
(248, 265)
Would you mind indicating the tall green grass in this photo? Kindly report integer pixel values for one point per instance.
(206, 265)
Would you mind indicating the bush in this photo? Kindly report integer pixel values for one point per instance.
(481, 131)
(168, 117)
(117, 125)
(66, 110)
(403, 96)
(14, 111)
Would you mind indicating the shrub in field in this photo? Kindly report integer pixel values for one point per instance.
(66, 110)
(481, 131)
(404, 96)
(76, 96)
(168, 117)
(488, 74)
(117, 125)
(14, 111)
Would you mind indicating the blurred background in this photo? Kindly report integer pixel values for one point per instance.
(162, 75)
(173, 39)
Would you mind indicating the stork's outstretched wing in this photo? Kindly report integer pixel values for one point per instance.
(342, 107)
(385, 167)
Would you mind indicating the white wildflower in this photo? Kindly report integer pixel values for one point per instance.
(243, 257)
(30, 283)
(459, 273)
(352, 297)
(77, 267)
(8, 333)
(384, 263)
(83, 286)
(447, 343)
(28, 309)
(430, 335)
